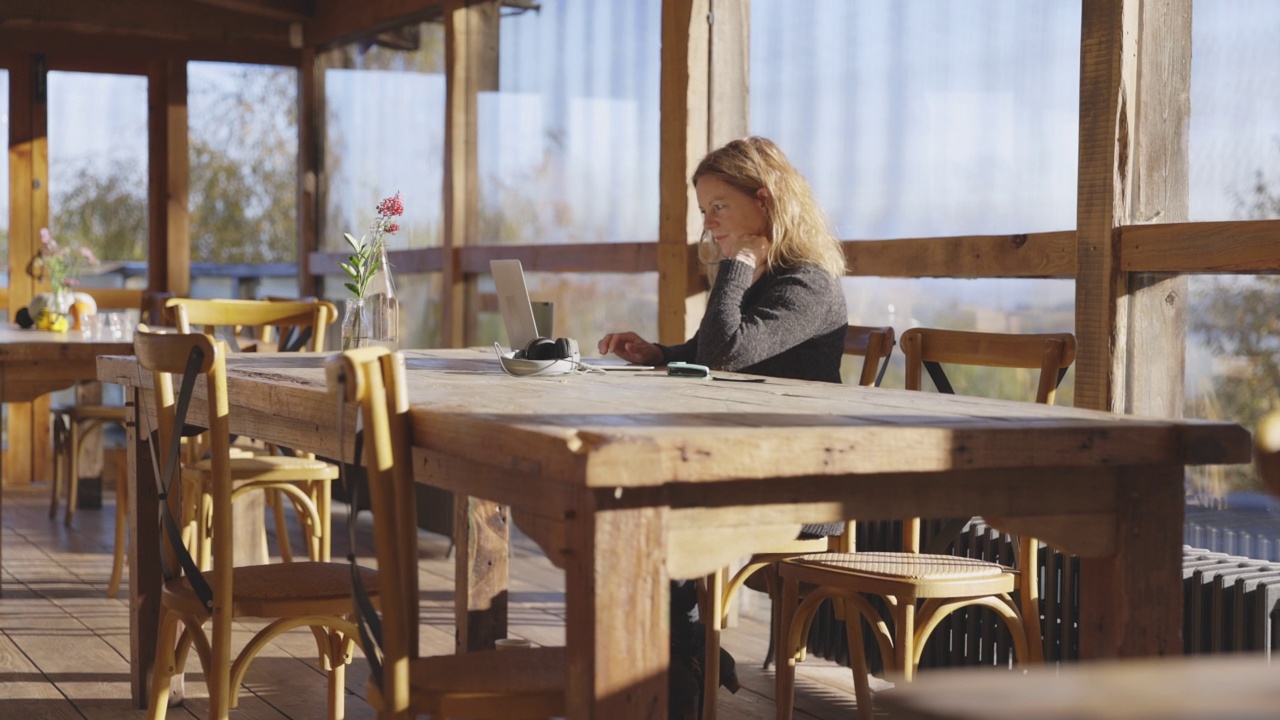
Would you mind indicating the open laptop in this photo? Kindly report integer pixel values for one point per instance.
(517, 314)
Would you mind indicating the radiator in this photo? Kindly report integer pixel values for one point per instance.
(1231, 603)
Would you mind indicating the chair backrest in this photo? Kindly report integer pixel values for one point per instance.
(374, 378)
(166, 355)
(930, 348)
(1050, 353)
(874, 345)
(265, 319)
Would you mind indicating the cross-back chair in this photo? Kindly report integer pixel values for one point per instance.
(281, 326)
(874, 345)
(315, 595)
(920, 589)
(525, 683)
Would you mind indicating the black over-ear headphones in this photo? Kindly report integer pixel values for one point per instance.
(548, 349)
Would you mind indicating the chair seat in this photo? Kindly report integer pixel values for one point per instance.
(512, 684)
(906, 574)
(269, 468)
(276, 590)
(905, 565)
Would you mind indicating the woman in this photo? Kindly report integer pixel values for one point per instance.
(776, 307)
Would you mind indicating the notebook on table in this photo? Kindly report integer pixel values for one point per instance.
(522, 329)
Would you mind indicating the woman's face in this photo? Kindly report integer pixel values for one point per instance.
(728, 213)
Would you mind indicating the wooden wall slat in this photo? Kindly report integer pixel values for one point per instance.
(168, 172)
(1251, 246)
(1045, 255)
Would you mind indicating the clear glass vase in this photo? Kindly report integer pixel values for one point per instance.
(357, 324)
(383, 306)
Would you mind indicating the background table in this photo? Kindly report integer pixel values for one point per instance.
(36, 362)
(630, 479)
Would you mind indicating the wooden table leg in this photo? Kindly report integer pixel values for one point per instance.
(617, 600)
(482, 536)
(1131, 603)
(144, 556)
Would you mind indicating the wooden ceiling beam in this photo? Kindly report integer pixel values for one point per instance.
(337, 22)
(122, 54)
(142, 19)
(286, 10)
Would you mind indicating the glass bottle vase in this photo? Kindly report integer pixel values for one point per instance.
(383, 306)
(357, 324)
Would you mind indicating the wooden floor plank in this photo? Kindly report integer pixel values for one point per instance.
(64, 644)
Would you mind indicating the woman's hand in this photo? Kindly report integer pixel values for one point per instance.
(753, 250)
(631, 347)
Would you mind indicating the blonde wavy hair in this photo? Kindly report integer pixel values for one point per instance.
(795, 225)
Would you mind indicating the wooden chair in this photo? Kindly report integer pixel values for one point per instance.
(315, 595)
(941, 584)
(516, 683)
(73, 423)
(281, 326)
(874, 345)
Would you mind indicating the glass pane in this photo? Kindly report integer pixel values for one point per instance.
(244, 166)
(568, 148)
(924, 118)
(98, 173)
(384, 133)
(1233, 373)
(1235, 142)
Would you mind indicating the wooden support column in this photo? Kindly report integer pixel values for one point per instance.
(1134, 105)
(704, 102)
(481, 529)
(310, 162)
(28, 447)
(169, 167)
(1155, 357)
(471, 67)
(685, 138)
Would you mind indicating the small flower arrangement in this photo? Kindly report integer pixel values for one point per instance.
(366, 257)
(60, 265)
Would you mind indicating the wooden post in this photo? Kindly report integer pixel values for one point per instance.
(685, 139)
(28, 212)
(481, 530)
(310, 162)
(1155, 358)
(1134, 105)
(471, 66)
(169, 235)
(704, 104)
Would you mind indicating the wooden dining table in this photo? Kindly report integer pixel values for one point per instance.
(36, 362)
(630, 479)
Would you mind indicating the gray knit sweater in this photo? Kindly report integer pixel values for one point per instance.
(789, 324)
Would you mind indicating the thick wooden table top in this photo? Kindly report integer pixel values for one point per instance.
(631, 429)
(35, 362)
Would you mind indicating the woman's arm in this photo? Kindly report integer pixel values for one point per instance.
(792, 308)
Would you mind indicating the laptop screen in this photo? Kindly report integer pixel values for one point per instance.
(513, 302)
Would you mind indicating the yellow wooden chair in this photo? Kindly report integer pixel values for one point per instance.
(920, 590)
(315, 595)
(526, 683)
(873, 345)
(279, 326)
